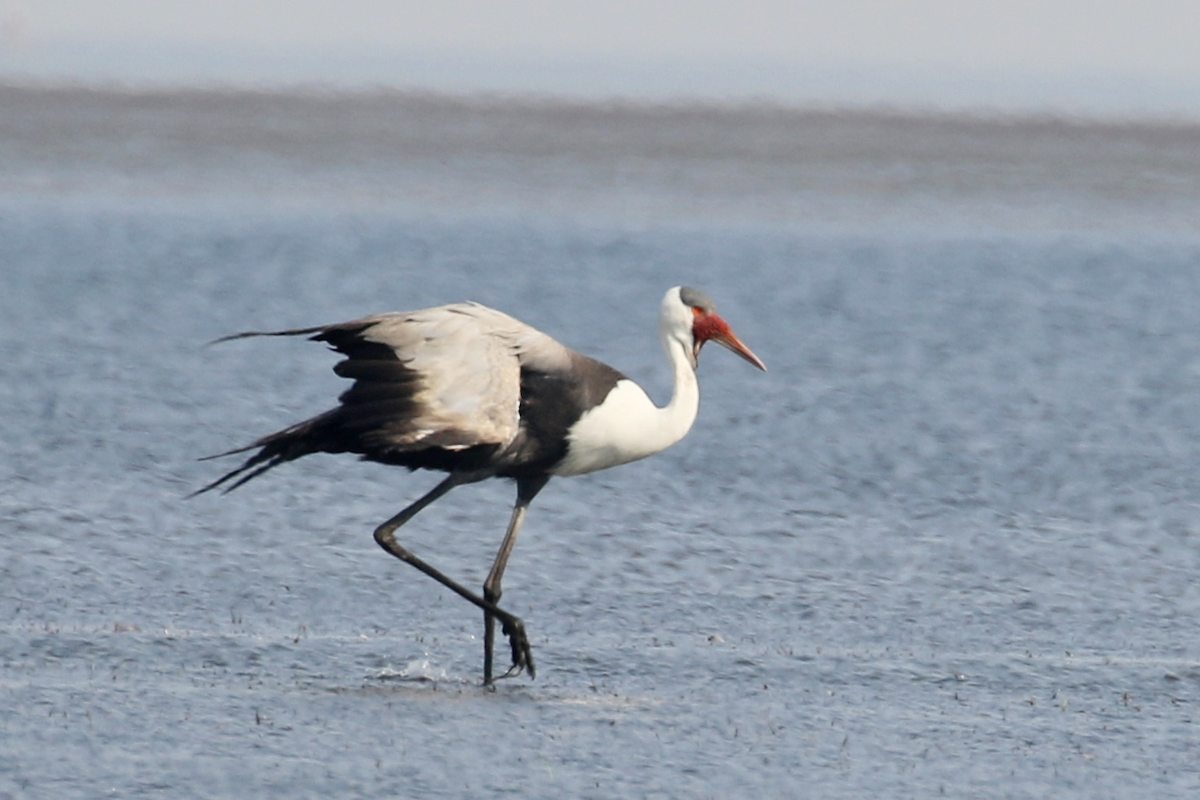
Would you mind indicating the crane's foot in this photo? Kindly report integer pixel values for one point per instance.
(522, 650)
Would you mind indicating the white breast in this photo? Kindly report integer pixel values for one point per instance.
(625, 427)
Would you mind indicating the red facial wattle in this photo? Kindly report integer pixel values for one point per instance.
(708, 325)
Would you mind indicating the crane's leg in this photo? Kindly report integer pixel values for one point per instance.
(527, 489)
(513, 627)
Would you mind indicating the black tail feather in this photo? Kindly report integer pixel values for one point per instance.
(375, 418)
(250, 463)
(286, 445)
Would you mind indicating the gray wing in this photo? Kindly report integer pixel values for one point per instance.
(427, 384)
(456, 373)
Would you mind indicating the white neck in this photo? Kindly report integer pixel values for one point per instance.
(628, 426)
(675, 419)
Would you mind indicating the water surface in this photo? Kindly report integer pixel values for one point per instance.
(947, 544)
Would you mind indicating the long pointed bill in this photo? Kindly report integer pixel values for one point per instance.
(735, 344)
(711, 327)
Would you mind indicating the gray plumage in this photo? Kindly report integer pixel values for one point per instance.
(440, 388)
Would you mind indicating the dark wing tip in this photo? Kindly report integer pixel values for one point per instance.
(249, 334)
(271, 459)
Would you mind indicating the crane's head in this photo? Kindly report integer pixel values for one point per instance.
(694, 315)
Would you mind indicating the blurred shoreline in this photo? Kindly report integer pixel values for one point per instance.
(626, 162)
(12, 87)
(1109, 88)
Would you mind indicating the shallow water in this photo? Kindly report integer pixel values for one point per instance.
(947, 544)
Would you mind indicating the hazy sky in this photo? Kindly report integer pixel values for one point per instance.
(1034, 52)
